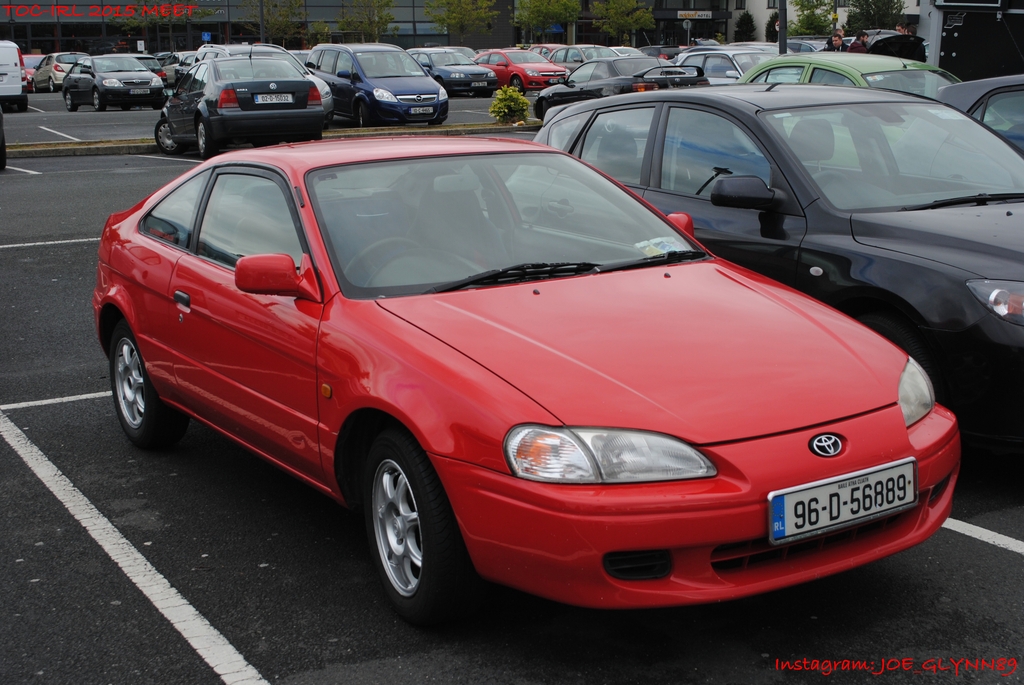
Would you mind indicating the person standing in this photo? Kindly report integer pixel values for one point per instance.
(829, 47)
(860, 42)
(837, 43)
(920, 54)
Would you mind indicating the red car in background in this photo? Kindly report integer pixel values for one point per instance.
(522, 69)
(31, 63)
(519, 371)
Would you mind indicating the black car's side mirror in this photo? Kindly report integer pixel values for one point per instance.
(743, 192)
(310, 65)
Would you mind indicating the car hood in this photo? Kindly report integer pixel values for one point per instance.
(130, 75)
(468, 70)
(987, 240)
(705, 351)
(407, 85)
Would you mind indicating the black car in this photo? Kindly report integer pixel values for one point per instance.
(261, 100)
(899, 211)
(456, 72)
(997, 102)
(604, 76)
(663, 51)
(112, 80)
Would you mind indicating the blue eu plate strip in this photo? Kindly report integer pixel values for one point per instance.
(778, 518)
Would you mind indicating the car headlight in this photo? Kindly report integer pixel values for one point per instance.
(531, 72)
(112, 83)
(601, 455)
(157, 81)
(917, 396)
(457, 74)
(1005, 299)
(442, 95)
(384, 95)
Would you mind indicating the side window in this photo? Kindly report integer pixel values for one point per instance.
(314, 58)
(615, 143)
(1005, 113)
(694, 61)
(782, 75)
(582, 75)
(247, 215)
(344, 63)
(558, 55)
(171, 220)
(423, 59)
(718, 66)
(199, 78)
(601, 70)
(830, 77)
(574, 55)
(185, 83)
(562, 133)
(700, 147)
(329, 61)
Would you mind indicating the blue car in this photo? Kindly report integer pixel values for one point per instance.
(456, 72)
(374, 84)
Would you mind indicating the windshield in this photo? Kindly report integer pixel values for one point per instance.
(888, 156)
(525, 57)
(259, 68)
(388, 64)
(405, 226)
(748, 60)
(445, 59)
(628, 67)
(111, 64)
(151, 63)
(592, 53)
(917, 81)
(70, 59)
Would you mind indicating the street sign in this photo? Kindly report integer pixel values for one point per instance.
(687, 24)
(142, 45)
(207, 36)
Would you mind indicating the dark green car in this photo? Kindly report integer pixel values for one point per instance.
(845, 69)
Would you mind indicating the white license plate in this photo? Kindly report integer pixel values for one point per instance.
(139, 91)
(814, 508)
(267, 98)
(478, 84)
(421, 110)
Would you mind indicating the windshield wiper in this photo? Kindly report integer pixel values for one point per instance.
(654, 260)
(518, 273)
(979, 199)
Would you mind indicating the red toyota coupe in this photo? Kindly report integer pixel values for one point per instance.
(520, 372)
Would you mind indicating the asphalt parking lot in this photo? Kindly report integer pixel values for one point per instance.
(204, 564)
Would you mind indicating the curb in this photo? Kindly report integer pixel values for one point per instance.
(141, 147)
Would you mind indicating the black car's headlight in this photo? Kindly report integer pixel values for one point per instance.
(601, 455)
(1005, 299)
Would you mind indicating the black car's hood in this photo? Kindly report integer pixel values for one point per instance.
(984, 240)
(126, 75)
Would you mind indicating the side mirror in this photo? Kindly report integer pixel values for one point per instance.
(682, 221)
(344, 73)
(168, 92)
(732, 73)
(310, 65)
(274, 274)
(742, 192)
(502, 63)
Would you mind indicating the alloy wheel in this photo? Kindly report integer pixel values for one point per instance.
(130, 384)
(396, 528)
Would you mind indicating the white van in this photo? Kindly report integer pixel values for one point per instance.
(12, 77)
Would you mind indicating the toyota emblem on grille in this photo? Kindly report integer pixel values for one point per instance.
(826, 445)
(273, 86)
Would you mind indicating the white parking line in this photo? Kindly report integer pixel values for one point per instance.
(56, 400)
(25, 171)
(51, 242)
(985, 535)
(58, 133)
(36, 109)
(206, 640)
(172, 159)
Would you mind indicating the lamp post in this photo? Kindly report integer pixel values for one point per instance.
(263, 36)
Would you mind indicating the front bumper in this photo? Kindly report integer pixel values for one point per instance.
(542, 81)
(147, 95)
(465, 85)
(400, 112)
(554, 540)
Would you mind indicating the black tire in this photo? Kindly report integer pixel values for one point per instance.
(148, 422)
(97, 101)
(51, 85)
(362, 112)
(517, 83)
(157, 105)
(539, 107)
(485, 93)
(904, 334)
(22, 106)
(3, 152)
(207, 146)
(125, 108)
(72, 107)
(444, 584)
(162, 134)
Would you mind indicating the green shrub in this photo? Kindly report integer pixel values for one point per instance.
(509, 106)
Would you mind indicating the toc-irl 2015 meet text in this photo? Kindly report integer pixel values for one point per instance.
(112, 11)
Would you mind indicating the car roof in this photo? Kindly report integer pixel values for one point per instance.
(365, 47)
(859, 62)
(712, 50)
(964, 95)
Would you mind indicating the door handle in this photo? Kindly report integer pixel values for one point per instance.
(182, 298)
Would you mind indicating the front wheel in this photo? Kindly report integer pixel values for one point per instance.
(167, 145)
(147, 421)
(538, 109)
(420, 556)
(362, 111)
(72, 107)
(97, 101)
(517, 83)
(207, 146)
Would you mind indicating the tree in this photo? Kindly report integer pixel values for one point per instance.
(369, 18)
(814, 18)
(873, 14)
(319, 32)
(459, 17)
(538, 16)
(619, 18)
(771, 34)
(745, 28)
(282, 19)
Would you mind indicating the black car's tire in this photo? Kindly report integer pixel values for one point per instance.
(517, 83)
(22, 106)
(72, 107)
(904, 334)
(362, 112)
(97, 101)
(146, 420)
(125, 108)
(162, 134)
(414, 538)
(3, 152)
(207, 146)
(539, 107)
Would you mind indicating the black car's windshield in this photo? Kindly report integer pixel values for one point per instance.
(413, 226)
(388, 64)
(257, 68)
(885, 156)
(917, 81)
(112, 64)
(633, 65)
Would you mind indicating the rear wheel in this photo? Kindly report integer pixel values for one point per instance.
(148, 422)
(207, 146)
(905, 335)
(72, 107)
(97, 101)
(51, 85)
(22, 106)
